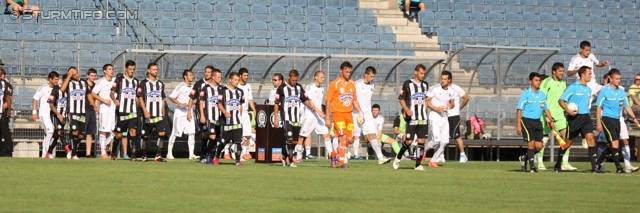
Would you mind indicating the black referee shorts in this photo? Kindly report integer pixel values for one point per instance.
(579, 124)
(611, 128)
(157, 123)
(454, 127)
(291, 130)
(531, 130)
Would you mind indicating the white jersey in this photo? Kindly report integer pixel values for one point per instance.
(578, 61)
(457, 94)
(439, 97)
(246, 88)
(42, 95)
(315, 94)
(364, 91)
(379, 122)
(103, 89)
(181, 94)
(272, 96)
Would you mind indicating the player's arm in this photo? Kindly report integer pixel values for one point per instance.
(572, 69)
(521, 103)
(9, 97)
(139, 94)
(34, 104)
(328, 99)
(633, 97)
(465, 100)
(93, 102)
(201, 108)
(65, 82)
(549, 118)
(403, 95)
(439, 109)
(253, 107)
(599, 104)
(625, 104)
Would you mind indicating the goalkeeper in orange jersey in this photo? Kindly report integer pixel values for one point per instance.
(341, 100)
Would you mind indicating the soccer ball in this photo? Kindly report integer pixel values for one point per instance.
(573, 107)
(360, 119)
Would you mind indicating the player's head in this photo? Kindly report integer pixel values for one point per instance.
(217, 76)
(293, 77)
(208, 71)
(152, 69)
(324, 109)
(318, 77)
(76, 74)
(543, 76)
(108, 70)
(345, 70)
(558, 70)
(585, 48)
(375, 110)
(277, 80)
(92, 74)
(420, 72)
(369, 74)
(615, 76)
(445, 79)
(244, 75)
(585, 73)
(534, 80)
(234, 79)
(129, 68)
(605, 79)
(636, 79)
(53, 78)
(187, 75)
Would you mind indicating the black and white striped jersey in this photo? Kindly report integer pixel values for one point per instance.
(152, 92)
(76, 92)
(210, 95)
(414, 95)
(58, 99)
(125, 92)
(5, 90)
(232, 100)
(289, 99)
(195, 91)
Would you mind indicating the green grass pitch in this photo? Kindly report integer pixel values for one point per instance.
(98, 185)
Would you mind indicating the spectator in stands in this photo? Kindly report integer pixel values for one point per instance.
(277, 80)
(1, 64)
(633, 93)
(7, 90)
(408, 4)
(20, 7)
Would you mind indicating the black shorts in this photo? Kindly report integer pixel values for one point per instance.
(415, 5)
(78, 123)
(123, 125)
(157, 123)
(418, 131)
(291, 131)
(202, 127)
(57, 123)
(454, 127)
(212, 128)
(579, 124)
(531, 130)
(92, 127)
(231, 134)
(611, 128)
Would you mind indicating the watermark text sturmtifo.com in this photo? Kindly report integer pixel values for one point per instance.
(80, 15)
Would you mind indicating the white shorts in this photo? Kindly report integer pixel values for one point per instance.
(107, 121)
(312, 121)
(439, 129)
(595, 88)
(246, 125)
(183, 126)
(368, 127)
(624, 130)
(46, 122)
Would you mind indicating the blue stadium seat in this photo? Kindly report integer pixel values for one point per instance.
(496, 8)
(283, 3)
(534, 42)
(549, 33)
(495, 16)
(317, 19)
(479, 32)
(478, 7)
(478, 16)
(501, 40)
(462, 32)
(551, 42)
(532, 25)
(515, 24)
(444, 6)
(547, 10)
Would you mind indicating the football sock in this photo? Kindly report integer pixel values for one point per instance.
(402, 151)
(626, 155)
(565, 158)
(328, 146)
(592, 151)
(53, 144)
(46, 142)
(531, 153)
(160, 146)
(356, 146)
(307, 150)
(238, 147)
(336, 144)
(540, 156)
(299, 149)
(245, 150)
(191, 141)
(114, 147)
(395, 147)
(342, 152)
(203, 146)
(74, 150)
(603, 155)
(134, 146)
(439, 151)
(103, 144)
(376, 147)
(616, 156)
(561, 154)
(419, 150)
(221, 147)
